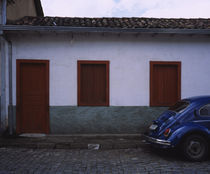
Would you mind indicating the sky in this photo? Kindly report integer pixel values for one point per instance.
(128, 8)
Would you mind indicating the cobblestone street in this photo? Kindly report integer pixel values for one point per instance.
(125, 161)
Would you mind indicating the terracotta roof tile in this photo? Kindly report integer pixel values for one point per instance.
(172, 23)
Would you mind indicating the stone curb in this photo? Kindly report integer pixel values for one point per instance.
(96, 142)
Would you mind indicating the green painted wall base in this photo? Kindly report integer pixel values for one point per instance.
(102, 120)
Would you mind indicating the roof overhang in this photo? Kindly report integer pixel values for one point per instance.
(25, 28)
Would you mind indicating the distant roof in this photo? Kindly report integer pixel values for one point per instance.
(122, 23)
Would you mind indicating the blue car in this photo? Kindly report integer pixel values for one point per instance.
(185, 125)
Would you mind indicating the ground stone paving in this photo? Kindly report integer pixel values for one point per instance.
(123, 161)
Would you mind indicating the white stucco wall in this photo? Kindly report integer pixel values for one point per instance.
(129, 57)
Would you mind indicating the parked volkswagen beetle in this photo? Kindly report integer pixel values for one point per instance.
(185, 125)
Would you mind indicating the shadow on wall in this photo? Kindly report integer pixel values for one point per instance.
(1, 130)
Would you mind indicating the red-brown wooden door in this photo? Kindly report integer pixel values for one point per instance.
(93, 83)
(32, 96)
(165, 82)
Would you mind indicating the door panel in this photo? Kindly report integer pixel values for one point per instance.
(164, 83)
(93, 83)
(32, 96)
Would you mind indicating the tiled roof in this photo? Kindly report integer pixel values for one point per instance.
(167, 23)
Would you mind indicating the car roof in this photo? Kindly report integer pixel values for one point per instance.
(199, 99)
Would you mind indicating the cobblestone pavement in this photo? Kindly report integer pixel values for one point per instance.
(124, 161)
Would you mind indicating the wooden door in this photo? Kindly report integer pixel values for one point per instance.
(165, 80)
(93, 83)
(32, 96)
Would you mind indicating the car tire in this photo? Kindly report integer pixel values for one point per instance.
(195, 148)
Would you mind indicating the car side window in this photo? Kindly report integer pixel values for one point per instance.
(205, 110)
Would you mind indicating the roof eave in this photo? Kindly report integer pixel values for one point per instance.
(103, 29)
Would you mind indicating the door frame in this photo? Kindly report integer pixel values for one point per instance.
(174, 63)
(18, 91)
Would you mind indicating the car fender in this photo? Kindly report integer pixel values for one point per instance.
(186, 129)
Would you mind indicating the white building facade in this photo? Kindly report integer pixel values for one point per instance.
(129, 57)
(98, 80)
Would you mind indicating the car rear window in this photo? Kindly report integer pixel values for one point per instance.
(205, 110)
(179, 106)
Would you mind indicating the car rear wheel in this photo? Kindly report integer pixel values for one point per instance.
(195, 148)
